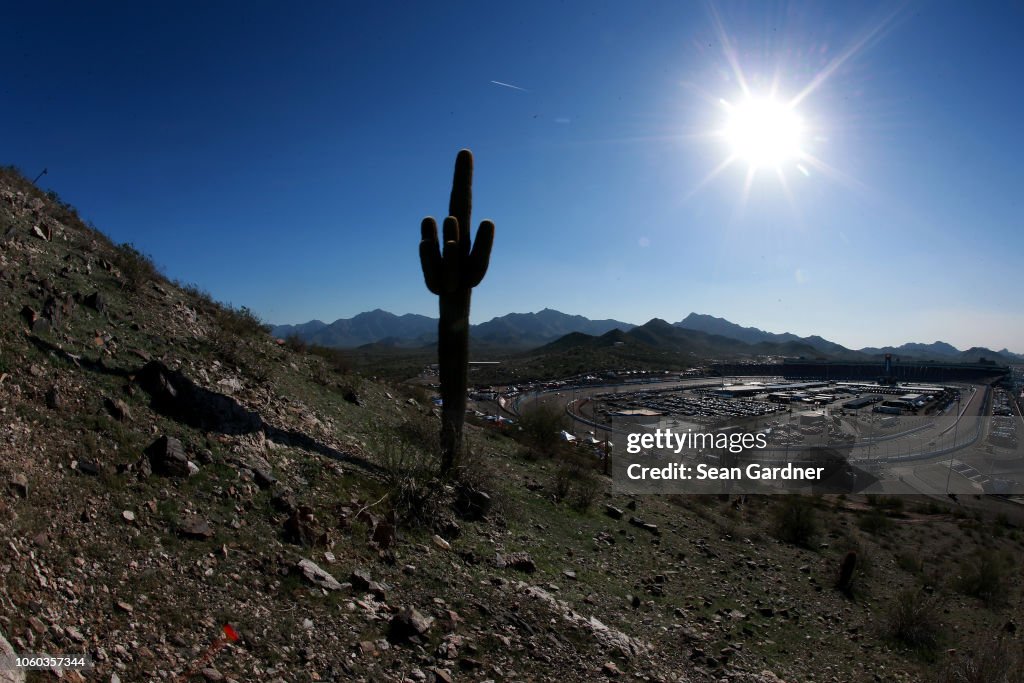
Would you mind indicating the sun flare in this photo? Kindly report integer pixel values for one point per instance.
(763, 132)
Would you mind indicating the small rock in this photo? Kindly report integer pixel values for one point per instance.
(383, 534)
(95, 301)
(167, 456)
(641, 524)
(194, 526)
(128, 516)
(211, 674)
(613, 512)
(264, 479)
(317, 576)
(88, 467)
(230, 385)
(54, 401)
(360, 580)
(408, 623)
(442, 675)
(610, 669)
(441, 543)
(520, 561)
(19, 485)
(118, 409)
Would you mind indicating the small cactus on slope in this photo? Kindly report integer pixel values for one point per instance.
(846, 569)
(451, 269)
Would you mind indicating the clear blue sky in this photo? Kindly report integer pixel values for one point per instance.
(282, 155)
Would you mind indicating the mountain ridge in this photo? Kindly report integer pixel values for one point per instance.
(535, 330)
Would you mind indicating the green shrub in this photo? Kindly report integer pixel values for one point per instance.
(910, 562)
(336, 360)
(913, 621)
(795, 522)
(875, 522)
(136, 268)
(293, 342)
(540, 429)
(985, 577)
(410, 459)
(241, 322)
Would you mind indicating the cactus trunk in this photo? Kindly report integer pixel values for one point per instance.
(453, 366)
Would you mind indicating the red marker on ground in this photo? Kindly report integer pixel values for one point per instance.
(230, 634)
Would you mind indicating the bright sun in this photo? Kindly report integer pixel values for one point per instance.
(763, 132)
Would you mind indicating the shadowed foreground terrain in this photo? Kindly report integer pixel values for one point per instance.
(167, 468)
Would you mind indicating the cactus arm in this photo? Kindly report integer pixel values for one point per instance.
(480, 257)
(460, 204)
(430, 255)
(451, 256)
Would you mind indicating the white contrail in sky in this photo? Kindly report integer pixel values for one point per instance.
(509, 85)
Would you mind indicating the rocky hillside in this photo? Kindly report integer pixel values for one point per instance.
(168, 469)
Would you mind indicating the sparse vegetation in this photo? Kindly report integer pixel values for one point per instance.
(997, 659)
(136, 267)
(795, 521)
(875, 522)
(240, 322)
(913, 621)
(540, 430)
(985, 577)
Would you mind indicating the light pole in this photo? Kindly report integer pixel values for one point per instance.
(956, 426)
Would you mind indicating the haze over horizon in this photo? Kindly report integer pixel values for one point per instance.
(848, 171)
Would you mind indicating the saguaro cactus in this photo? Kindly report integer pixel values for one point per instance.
(846, 568)
(451, 271)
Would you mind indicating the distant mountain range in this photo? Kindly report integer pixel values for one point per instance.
(515, 330)
(697, 334)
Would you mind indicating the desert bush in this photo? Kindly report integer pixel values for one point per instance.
(136, 267)
(588, 487)
(575, 482)
(540, 430)
(202, 300)
(241, 322)
(561, 483)
(293, 342)
(910, 562)
(474, 480)
(894, 503)
(985, 577)
(875, 522)
(795, 522)
(989, 660)
(336, 360)
(411, 472)
(912, 619)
